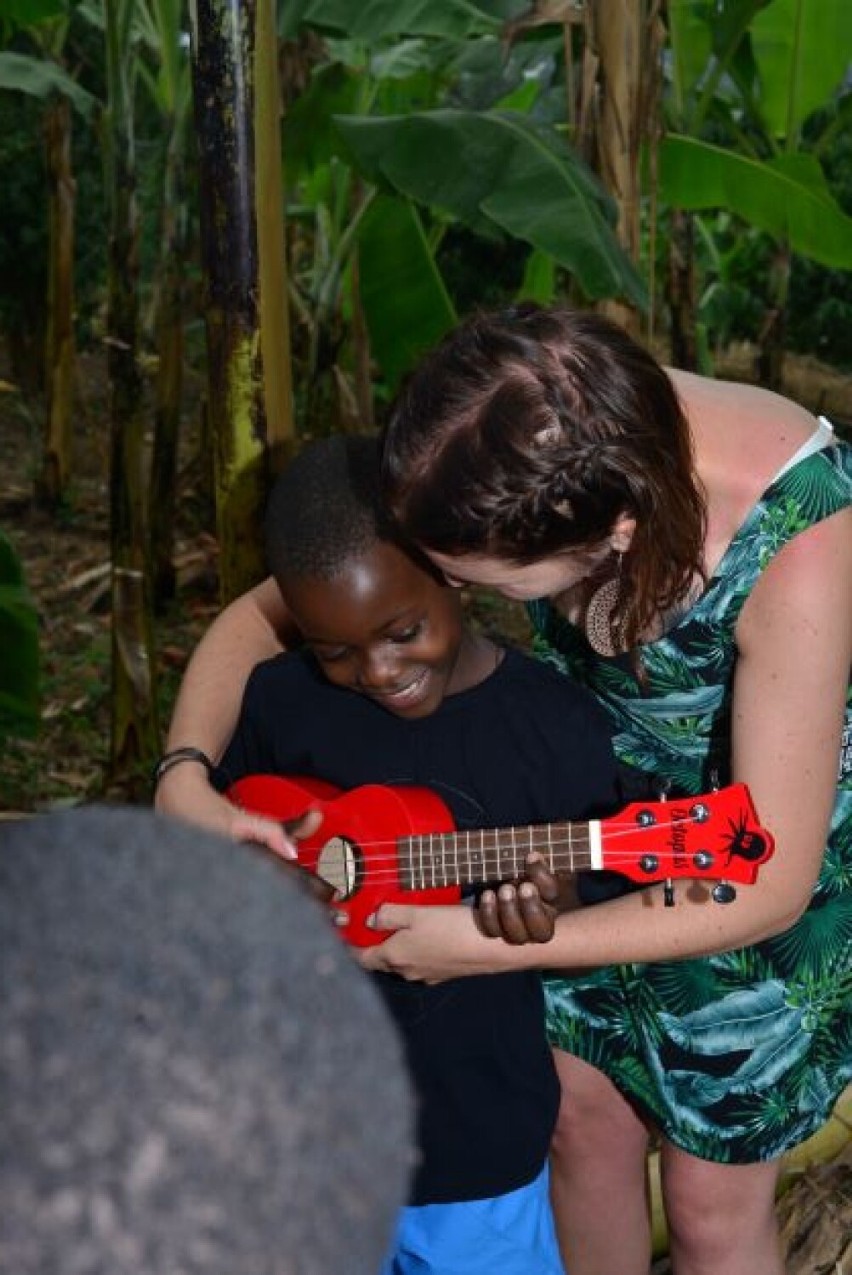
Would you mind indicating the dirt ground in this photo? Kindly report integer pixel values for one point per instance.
(65, 559)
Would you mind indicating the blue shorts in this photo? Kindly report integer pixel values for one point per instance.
(511, 1234)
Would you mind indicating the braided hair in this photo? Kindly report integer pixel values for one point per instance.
(530, 432)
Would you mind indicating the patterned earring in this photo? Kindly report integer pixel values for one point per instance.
(603, 605)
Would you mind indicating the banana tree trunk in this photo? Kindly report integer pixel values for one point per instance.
(624, 37)
(271, 237)
(681, 291)
(362, 356)
(770, 358)
(52, 484)
(135, 733)
(170, 350)
(237, 118)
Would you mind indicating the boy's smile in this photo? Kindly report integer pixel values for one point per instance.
(386, 628)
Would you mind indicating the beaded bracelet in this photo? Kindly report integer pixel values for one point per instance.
(176, 756)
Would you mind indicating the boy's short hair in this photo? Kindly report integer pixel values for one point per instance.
(195, 1076)
(326, 508)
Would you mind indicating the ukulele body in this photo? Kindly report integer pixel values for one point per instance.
(355, 846)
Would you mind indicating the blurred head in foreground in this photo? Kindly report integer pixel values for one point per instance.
(194, 1074)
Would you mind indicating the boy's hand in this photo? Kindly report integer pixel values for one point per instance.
(522, 913)
(431, 944)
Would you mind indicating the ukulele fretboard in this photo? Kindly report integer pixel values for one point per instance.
(495, 854)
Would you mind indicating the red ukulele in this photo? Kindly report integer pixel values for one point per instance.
(380, 844)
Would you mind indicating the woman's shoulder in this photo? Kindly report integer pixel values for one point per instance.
(743, 436)
(721, 412)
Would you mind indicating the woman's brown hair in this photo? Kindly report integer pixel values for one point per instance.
(529, 432)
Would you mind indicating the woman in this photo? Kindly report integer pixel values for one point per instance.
(685, 548)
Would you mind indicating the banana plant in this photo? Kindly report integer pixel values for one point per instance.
(380, 167)
(365, 285)
(620, 74)
(501, 169)
(235, 89)
(756, 74)
(164, 70)
(134, 726)
(43, 76)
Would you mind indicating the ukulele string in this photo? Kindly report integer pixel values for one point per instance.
(385, 867)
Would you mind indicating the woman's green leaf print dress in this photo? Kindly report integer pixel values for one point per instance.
(739, 1056)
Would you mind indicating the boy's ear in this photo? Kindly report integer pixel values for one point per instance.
(621, 536)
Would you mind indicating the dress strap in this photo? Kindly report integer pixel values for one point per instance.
(823, 436)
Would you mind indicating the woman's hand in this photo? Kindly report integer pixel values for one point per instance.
(522, 913)
(432, 944)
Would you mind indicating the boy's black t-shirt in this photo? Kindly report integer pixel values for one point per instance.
(525, 746)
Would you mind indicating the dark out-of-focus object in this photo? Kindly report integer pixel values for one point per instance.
(194, 1075)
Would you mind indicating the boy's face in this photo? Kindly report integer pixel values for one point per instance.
(386, 628)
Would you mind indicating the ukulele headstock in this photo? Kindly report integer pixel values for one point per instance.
(716, 836)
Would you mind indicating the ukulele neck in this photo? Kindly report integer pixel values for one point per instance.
(495, 854)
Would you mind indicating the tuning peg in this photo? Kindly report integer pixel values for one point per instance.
(724, 892)
(668, 884)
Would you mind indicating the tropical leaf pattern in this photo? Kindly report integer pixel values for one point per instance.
(741, 1055)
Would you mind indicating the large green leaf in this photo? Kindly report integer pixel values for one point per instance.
(710, 55)
(404, 298)
(19, 676)
(40, 78)
(690, 42)
(372, 20)
(803, 50)
(398, 81)
(500, 169)
(309, 136)
(539, 281)
(787, 197)
(31, 12)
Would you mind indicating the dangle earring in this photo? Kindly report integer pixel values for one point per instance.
(603, 605)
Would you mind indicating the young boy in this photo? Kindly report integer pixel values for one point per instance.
(391, 687)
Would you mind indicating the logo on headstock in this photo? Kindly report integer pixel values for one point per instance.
(744, 842)
(681, 818)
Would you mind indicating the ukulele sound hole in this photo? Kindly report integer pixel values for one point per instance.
(338, 864)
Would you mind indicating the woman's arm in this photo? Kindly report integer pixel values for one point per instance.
(252, 628)
(795, 647)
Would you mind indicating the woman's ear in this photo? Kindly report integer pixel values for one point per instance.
(621, 536)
